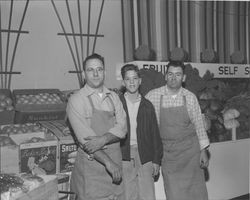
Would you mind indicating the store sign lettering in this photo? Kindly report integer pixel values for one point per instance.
(217, 69)
(158, 67)
(68, 148)
(232, 70)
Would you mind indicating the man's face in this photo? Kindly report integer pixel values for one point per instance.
(131, 81)
(174, 77)
(94, 73)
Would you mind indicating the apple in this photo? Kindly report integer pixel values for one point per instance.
(8, 100)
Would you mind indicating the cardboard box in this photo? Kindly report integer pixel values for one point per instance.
(46, 191)
(9, 159)
(65, 147)
(24, 117)
(42, 155)
(7, 117)
(28, 112)
(66, 143)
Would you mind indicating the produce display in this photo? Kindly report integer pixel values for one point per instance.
(6, 103)
(12, 185)
(41, 98)
(225, 104)
(20, 128)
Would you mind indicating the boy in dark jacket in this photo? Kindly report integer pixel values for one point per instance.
(142, 147)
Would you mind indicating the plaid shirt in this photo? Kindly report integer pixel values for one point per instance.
(193, 109)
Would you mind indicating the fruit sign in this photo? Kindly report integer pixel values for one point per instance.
(219, 70)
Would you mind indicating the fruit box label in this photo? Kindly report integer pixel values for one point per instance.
(65, 150)
(38, 156)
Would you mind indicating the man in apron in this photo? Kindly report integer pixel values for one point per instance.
(99, 121)
(183, 136)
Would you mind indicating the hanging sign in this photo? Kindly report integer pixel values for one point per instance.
(220, 70)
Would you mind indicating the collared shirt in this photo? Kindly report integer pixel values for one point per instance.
(79, 112)
(133, 111)
(193, 109)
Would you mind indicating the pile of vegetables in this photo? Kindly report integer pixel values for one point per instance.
(237, 114)
(225, 104)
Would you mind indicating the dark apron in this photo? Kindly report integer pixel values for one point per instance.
(182, 175)
(90, 180)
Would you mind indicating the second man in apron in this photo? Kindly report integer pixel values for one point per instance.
(183, 136)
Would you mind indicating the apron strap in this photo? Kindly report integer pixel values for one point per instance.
(108, 95)
(184, 100)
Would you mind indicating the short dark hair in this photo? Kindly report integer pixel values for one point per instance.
(174, 63)
(129, 67)
(93, 56)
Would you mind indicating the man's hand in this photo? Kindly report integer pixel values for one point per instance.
(156, 169)
(115, 171)
(93, 144)
(204, 161)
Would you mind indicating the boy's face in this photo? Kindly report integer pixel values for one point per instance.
(131, 81)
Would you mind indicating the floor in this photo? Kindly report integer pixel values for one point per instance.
(243, 197)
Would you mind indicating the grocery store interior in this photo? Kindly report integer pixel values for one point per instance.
(43, 44)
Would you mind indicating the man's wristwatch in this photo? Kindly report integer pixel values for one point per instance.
(90, 157)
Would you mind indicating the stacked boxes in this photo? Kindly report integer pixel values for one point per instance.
(7, 111)
(15, 138)
(33, 105)
(66, 143)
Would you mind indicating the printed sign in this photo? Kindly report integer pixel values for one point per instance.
(40, 156)
(65, 150)
(219, 70)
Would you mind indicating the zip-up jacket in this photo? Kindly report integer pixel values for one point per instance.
(148, 135)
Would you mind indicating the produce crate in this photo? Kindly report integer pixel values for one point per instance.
(6, 116)
(46, 191)
(66, 143)
(41, 154)
(42, 110)
(9, 159)
(65, 147)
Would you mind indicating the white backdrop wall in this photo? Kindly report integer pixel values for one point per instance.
(43, 57)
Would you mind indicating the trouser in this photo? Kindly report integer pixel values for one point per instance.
(138, 179)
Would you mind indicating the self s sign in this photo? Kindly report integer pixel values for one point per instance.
(228, 70)
(247, 70)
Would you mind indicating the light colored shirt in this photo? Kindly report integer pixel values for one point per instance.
(193, 109)
(133, 111)
(79, 112)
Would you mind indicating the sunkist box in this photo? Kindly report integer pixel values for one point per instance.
(40, 155)
(7, 111)
(33, 105)
(66, 143)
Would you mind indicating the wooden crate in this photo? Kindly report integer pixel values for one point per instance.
(38, 112)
